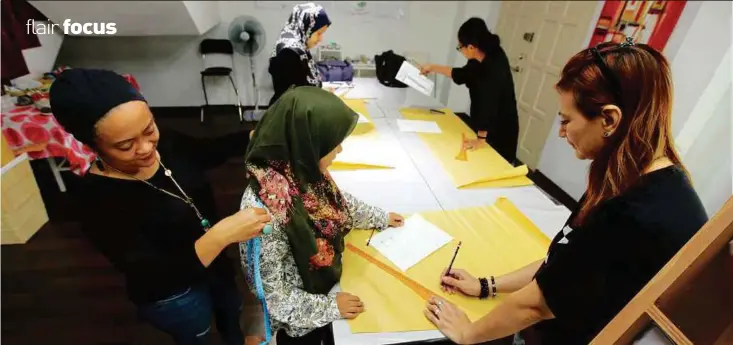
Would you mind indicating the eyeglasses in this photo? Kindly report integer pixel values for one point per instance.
(459, 46)
(606, 72)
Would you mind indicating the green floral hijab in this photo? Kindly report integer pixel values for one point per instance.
(302, 127)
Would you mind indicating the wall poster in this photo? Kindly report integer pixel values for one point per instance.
(648, 22)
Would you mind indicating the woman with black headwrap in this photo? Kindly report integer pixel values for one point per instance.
(149, 209)
(291, 62)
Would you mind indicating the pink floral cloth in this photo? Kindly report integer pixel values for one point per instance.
(26, 126)
(41, 136)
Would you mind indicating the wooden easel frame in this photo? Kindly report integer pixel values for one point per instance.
(670, 284)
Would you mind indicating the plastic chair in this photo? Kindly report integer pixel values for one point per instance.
(218, 56)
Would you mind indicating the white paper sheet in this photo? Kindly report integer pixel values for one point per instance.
(362, 118)
(418, 126)
(411, 76)
(340, 88)
(414, 241)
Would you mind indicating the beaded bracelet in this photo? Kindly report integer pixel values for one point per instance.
(493, 287)
(484, 288)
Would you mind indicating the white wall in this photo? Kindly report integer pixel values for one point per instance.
(205, 14)
(558, 161)
(702, 48)
(167, 68)
(41, 59)
(708, 159)
(696, 51)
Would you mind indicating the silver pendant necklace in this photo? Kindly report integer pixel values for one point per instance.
(204, 222)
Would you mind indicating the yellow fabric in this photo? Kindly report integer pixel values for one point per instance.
(483, 168)
(497, 239)
(362, 149)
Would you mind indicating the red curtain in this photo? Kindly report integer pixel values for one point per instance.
(16, 37)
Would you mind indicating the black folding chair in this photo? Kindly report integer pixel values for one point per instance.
(219, 63)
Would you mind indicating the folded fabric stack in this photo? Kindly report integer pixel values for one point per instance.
(28, 91)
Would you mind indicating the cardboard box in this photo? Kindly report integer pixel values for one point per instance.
(6, 155)
(23, 212)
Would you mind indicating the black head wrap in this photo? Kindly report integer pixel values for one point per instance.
(81, 97)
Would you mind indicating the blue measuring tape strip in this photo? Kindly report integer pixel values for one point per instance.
(254, 247)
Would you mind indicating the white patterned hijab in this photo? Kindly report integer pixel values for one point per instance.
(304, 21)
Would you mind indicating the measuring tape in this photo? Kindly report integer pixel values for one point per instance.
(253, 248)
(420, 290)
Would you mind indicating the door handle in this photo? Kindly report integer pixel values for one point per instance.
(529, 36)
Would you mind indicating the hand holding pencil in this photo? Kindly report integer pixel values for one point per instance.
(395, 221)
(461, 281)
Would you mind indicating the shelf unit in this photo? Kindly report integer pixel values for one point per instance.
(362, 70)
(691, 299)
(328, 53)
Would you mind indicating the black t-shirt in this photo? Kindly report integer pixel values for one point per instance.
(149, 236)
(591, 272)
(493, 103)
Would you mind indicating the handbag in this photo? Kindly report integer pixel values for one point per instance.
(388, 64)
(335, 70)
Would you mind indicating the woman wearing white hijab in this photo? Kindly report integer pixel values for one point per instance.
(291, 62)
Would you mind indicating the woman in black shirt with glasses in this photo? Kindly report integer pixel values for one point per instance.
(493, 113)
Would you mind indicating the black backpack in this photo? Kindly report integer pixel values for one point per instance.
(388, 63)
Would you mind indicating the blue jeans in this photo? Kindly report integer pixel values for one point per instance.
(186, 316)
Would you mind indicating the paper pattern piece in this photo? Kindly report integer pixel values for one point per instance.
(497, 239)
(363, 149)
(482, 168)
(409, 244)
(418, 126)
(363, 119)
(410, 75)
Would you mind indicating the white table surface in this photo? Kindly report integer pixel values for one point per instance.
(419, 183)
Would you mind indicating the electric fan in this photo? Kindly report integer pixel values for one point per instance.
(248, 38)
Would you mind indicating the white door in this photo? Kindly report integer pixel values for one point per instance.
(539, 37)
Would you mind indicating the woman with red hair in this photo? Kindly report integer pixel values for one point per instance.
(638, 210)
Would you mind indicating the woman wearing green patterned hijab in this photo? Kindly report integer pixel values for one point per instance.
(300, 261)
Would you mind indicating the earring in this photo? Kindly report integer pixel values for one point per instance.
(606, 134)
(98, 162)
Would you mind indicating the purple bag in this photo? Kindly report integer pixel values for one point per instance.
(335, 70)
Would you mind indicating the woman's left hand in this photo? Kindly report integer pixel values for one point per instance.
(475, 144)
(450, 320)
(395, 220)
